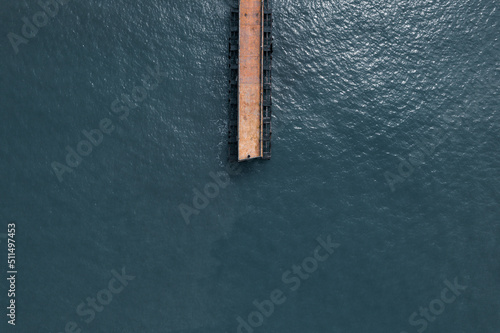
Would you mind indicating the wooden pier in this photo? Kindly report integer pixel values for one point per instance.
(250, 57)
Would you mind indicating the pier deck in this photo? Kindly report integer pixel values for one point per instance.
(250, 59)
(250, 80)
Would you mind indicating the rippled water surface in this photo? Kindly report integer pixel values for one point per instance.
(386, 133)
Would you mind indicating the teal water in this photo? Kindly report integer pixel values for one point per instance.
(385, 137)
